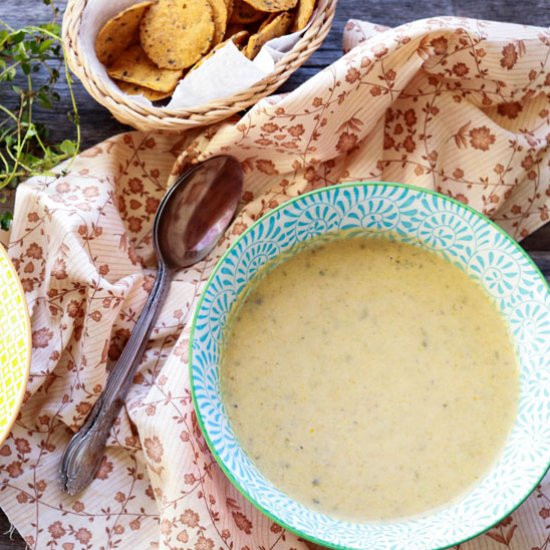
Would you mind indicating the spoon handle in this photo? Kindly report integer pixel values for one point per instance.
(84, 453)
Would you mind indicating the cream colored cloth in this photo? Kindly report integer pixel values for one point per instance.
(451, 104)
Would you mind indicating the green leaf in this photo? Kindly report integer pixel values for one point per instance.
(9, 75)
(5, 220)
(44, 100)
(31, 130)
(52, 27)
(45, 45)
(30, 160)
(17, 37)
(34, 47)
(67, 146)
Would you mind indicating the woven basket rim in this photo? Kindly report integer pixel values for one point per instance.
(142, 115)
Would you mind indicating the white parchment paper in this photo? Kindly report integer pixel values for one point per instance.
(225, 73)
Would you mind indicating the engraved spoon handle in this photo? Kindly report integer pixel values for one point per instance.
(83, 455)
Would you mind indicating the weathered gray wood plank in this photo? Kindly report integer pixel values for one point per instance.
(98, 124)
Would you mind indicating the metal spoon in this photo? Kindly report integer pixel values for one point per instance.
(189, 222)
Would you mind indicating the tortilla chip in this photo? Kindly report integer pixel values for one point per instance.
(303, 14)
(135, 67)
(271, 6)
(219, 14)
(244, 13)
(119, 32)
(135, 89)
(176, 33)
(278, 26)
(238, 39)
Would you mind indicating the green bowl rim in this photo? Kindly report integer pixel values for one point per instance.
(224, 469)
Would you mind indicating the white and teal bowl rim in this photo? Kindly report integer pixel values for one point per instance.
(522, 294)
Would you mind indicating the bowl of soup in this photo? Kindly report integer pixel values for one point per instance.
(370, 367)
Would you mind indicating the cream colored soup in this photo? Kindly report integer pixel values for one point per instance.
(370, 379)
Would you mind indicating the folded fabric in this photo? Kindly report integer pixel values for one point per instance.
(456, 105)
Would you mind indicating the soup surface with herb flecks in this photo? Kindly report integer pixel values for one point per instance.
(369, 379)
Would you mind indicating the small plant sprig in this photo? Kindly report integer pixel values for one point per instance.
(31, 65)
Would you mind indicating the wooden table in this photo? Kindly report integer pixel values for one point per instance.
(98, 124)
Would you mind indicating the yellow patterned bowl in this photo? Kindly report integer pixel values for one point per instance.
(15, 344)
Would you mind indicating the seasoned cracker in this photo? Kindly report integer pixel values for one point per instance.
(303, 14)
(271, 6)
(238, 39)
(135, 89)
(135, 67)
(267, 21)
(176, 33)
(119, 32)
(219, 14)
(278, 26)
(244, 14)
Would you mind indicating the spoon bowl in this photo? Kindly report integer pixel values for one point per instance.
(196, 211)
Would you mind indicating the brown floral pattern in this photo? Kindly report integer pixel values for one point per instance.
(450, 104)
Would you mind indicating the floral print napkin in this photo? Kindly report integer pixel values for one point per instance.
(456, 105)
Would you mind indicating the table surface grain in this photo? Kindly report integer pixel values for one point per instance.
(98, 124)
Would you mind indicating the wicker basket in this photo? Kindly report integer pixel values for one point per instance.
(152, 118)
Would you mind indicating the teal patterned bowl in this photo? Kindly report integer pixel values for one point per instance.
(463, 237)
